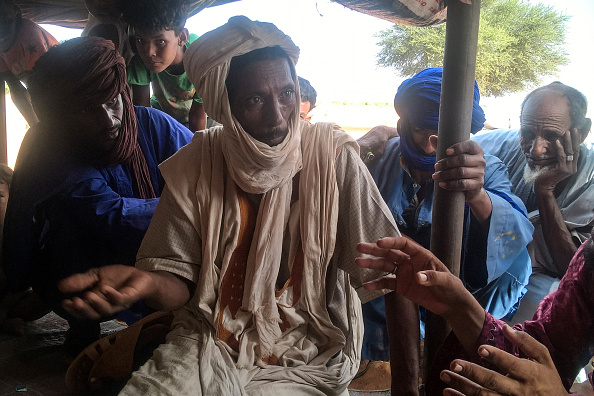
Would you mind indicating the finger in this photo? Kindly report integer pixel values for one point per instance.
(379, 264)
(459, 173)
(493, 382)
(79, 282)
(81, 309)
(463, 185)
(576, 140)
(530, 346)
(464, 385)
(381, 283)
(461, 161)
(561, 155)
(435, 278)
(465, 147)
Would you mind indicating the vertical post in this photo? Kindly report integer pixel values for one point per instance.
(3, 134)
(455, 117)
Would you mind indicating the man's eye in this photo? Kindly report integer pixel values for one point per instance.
(160, 42)
(113, 101)
(138, 40)
(255, 100)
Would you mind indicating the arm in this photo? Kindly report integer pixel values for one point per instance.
(557, 236)
(197, 118)
(141, 95)
(535, 375)
(20, 97)
(374, 142)
(110, 289)
(425, 280)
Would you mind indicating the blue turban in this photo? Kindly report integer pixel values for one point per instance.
(418, 100)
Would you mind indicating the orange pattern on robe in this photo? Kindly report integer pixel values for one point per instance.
(231, 293)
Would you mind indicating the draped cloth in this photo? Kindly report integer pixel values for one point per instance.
(260, 169)
(85, 72)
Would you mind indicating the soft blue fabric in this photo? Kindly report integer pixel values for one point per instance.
(506, 262)
(65, 217)
(418, 99)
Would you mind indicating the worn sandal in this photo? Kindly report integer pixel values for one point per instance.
(112, 357)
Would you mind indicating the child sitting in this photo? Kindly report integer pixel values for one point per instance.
(161, 40)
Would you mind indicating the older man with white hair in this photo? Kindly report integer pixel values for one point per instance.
(551, 170)
(253, 242)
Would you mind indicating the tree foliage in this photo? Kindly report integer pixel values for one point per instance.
(518, 44)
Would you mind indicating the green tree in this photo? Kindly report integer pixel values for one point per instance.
(518, 44)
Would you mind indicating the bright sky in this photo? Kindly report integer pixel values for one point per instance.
(338, 50)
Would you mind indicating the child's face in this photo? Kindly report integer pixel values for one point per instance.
(162, 49)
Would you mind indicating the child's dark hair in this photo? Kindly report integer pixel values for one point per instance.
(154, 15)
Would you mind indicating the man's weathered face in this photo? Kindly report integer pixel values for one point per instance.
(264, 100)
(545, 119)
(8, 25)
(98, 126)
(421, 139)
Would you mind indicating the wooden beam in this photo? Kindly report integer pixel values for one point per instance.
(455, 117)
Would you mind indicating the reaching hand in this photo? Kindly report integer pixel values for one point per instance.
(568, 152)
(105, 290)
(420, 276)
(462, 170)
(533, 376)
(375, 141)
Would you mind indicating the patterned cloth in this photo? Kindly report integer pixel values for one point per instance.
(32, 41)
(569, 309)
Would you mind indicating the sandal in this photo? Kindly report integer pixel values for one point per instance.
(112, 357)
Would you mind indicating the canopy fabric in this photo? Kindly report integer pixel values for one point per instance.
(73, 13)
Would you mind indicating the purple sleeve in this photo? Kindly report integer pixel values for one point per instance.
(563, 323)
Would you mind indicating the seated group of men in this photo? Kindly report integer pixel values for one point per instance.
(248, 231)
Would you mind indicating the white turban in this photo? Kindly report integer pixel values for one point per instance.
(255, 166)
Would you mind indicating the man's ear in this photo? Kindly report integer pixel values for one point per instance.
(586, 129)
(183, 37)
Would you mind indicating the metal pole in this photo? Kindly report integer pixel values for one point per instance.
(3, 134)
(455, 116)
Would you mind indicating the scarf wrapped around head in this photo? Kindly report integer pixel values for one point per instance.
(417, 101)
(83, 72)
(255, 166)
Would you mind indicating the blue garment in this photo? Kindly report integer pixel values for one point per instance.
(65, 216)
(418, 100)
(496, 265)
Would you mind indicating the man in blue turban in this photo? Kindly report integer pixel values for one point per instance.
(495, 263)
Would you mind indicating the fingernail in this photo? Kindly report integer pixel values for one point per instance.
(445, 377)
(450, 151)
(458, 368)
(422, 277)
(483, 352)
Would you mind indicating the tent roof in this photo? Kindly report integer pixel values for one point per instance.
(73, 13)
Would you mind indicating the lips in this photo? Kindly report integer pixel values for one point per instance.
(536, 162)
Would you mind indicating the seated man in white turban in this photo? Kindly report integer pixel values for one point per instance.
(252, 245)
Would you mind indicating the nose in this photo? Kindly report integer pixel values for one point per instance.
(107, 117)
(274, 115)
(427, 147)
(538, 147)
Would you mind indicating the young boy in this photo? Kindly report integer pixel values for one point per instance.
(161, 40)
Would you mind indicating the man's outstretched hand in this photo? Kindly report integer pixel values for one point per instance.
(104, 291)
